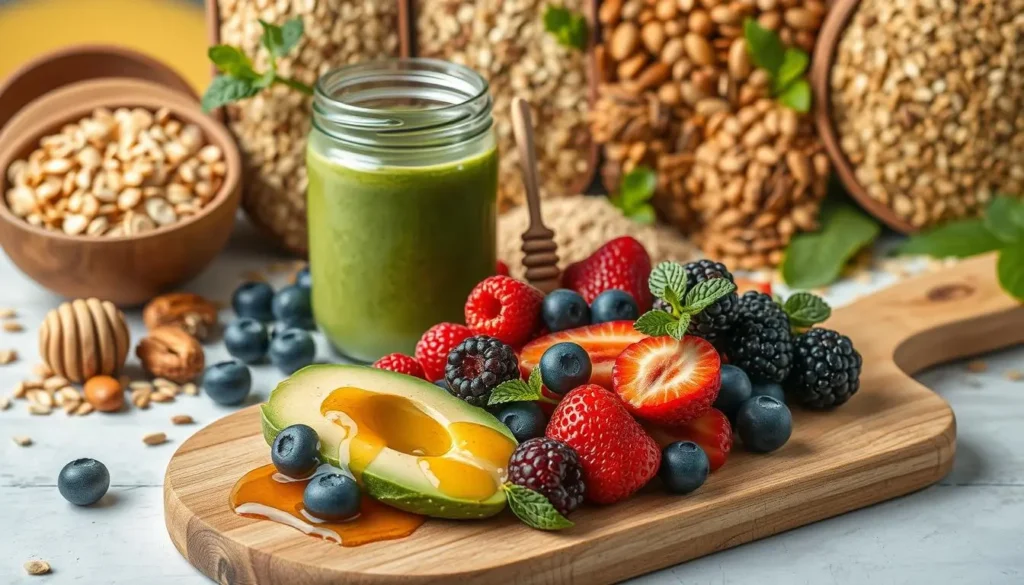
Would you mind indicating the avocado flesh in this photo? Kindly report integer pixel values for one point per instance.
(410, 444)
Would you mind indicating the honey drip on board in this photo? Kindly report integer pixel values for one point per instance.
(259, 495)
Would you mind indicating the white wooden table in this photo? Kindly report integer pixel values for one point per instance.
(967, 529)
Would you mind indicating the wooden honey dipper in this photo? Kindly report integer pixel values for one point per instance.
(540, 252)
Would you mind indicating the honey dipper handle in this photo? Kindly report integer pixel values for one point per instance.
(522, 127)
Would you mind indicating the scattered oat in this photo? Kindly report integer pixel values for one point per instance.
(37, 567)
(84, 408)
(153, 439)
(13, 327)
(1014, 375)
(42, 370)
(190, 389)
(39, 409)
(182, 419)
(5, 403)
(7, 356)
(8, 313)
(977, 366)
(22, 440)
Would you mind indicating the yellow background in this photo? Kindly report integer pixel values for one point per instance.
(173, 31)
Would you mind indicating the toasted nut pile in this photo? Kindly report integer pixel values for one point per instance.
(272, 127)
(505, 41)
(928, 98)
(676, 75)
(117, 173)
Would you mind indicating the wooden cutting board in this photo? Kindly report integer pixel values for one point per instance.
(895, 436)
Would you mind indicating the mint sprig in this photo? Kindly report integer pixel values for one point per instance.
(635, 193)
(806, 310)
(569, 28)
(787, 66)
(668, 283)
(534, 509)
(239, 80)
(519, 391)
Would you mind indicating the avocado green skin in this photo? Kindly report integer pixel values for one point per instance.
(390, 490)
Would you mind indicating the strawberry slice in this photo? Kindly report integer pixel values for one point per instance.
(603, 342)
(711, 431)
(745, 284)
(668, 381)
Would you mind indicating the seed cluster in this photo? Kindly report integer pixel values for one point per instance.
(116, 173)
(928, 97)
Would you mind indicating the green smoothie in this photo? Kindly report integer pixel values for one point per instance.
(395, 250)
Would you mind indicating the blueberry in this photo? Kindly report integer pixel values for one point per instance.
(296, 451)
(292, 307)
(564, 309)
(247, 339)
(764, 424)
(254, 300)
(614, 305)
(228, 383)
(292, 350)
(684, 467)
(734, 392)
(83, 481)
(442, 383)
(332, 497)
(525, 419)
(565, 366)
(770, 389)
(303, 279)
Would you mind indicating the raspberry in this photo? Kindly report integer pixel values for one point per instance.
(477, 366)
(552, 468)
(502, 268)
(433, 348)
(505, 308)
(401, 363)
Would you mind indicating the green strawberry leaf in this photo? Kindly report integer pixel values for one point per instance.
(518, 390)
(1010, 269)
(816, 259)
(797, 96)
(668, 275)
(1004, 217)
(706, 293)
(957, 239)
(764, 46)
(678, 330)
(653, 323)
(534, 509)
(231, 61)
(225, 90)
(805, 309)
(794, 65)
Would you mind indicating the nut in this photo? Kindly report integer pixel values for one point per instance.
(37, 567)
(153, 439)
(22, 441)
(104, 393)
(193, 313)
(181, 419)
(169, 352)
(84, 338)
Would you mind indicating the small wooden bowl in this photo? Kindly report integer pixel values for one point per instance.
(125, 270)
(831, 33)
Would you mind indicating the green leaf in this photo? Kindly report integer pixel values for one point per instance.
(805, 309)
(231, 61)
(764, 46)
(668, 275)
(637, 187)
(225, 90)
(272, 39)
(569, 28)
(534, 509)
(517, 390)
(673, 299)
(816, 259)
(643, 214)
(1010, 268)
(797, 96)
(678, 330)
(1004, 217)
(957, 239)
(794, 64)
(653, 323)
(291, 34)
(706, 293)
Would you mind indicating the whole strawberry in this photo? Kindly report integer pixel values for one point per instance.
(401, 363)
(504, 308)
(432, 349)
(622, 263)
(617, 455)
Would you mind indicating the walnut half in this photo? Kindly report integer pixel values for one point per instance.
(191, 312)
(169, 352)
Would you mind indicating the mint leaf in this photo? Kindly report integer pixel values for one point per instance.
(678, 329)
(637, 187)
(231, 61)
(1010, 268)
(272, 39)
(957, 239)
(569, 28)
(816, 259)
(764, 46)
(291, 33)
(1004, 217)
(668, 275)
(797, 96)
(517, 390)
(225, 90)
(805, 309)
(534, 509)
(794, 65)
(706, 293)
(653, 323)
(673, 299)
(643, 214)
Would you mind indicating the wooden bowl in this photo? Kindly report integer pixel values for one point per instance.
(79, 63)
(127, 270)
(839, 14)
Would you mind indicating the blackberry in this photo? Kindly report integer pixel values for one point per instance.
(714, 322)
(826, 369)
(660, 305)
(477, 366)
(760, 343)
(552, 468)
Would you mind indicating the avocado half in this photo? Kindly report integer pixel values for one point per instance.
(410, 444)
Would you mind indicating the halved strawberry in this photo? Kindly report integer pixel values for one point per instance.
(711, 431)
(603, 342)
(668, 381)
(745, 284)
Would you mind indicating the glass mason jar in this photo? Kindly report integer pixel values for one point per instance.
(403, 171)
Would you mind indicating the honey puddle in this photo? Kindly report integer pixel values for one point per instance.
(260, 495)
